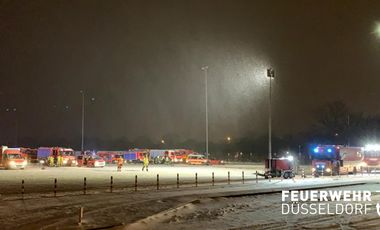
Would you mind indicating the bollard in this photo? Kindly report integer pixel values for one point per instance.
(242, 176)
(84, 186)
(158, 182)
(111, 184)
(331, 173)
(80, 215)
(270, 177)
(135, 183)
(228, 178)
(177, 180)
(55, 187)
(196, 179)
(322, 173)
(256, 178)
(213, 179)
(303, 173)
(22, 188)
(347, 171)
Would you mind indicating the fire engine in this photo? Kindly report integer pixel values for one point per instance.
(67, 154)
(353, 159)
(371, 154)
(326, 160)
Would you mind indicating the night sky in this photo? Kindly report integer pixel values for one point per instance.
(139, 63)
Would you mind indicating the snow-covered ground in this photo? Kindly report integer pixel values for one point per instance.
(71, 178)
(255, 212)
(206, 206)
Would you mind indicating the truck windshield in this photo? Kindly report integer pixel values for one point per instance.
(67, 153)
(14, 156)
(372, 154)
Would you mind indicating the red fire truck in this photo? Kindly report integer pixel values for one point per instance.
(353, 159)
(68, 156)
(371, 155)
(326, 160)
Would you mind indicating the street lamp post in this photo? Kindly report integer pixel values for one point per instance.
(82, 142)
(270, 74)
(205, 70)
(14, 110)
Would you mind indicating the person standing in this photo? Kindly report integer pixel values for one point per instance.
(119, 163)
(145, 162)
(51, 161)
(60, 160)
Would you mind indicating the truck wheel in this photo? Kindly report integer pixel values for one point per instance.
(292, 175)
(286, 175)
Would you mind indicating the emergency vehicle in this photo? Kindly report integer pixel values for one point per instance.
(279, 167)
(326, 160)
(11, 158)
(67, 154)
(197, 159)
(353, 159)
(371, 155)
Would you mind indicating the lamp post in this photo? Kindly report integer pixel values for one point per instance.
(82, 139)
(270, 74)
(14, 110)
(205, 70)
(228, 148)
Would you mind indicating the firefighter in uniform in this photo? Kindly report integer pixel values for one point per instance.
(145, 162)
(119, 163)
(60, 160)
(51, 161)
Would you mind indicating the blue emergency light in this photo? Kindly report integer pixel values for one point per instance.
(329, 150)
(316, 150)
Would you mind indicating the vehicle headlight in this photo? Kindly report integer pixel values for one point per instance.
(74, 161)
(42, 161)
(12, 162)
(221, 162)
(328, 170)
(313, 169)
(65, 161)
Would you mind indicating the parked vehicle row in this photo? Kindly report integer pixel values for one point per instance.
(60, 156)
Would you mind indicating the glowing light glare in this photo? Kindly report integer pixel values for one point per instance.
(372, 147)
(290, 158)
(329, 150)
(316, 150)
(377, 30)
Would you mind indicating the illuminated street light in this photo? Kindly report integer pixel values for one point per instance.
(162, 141)
(229, 139)
(205, 70)
(377, 30)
